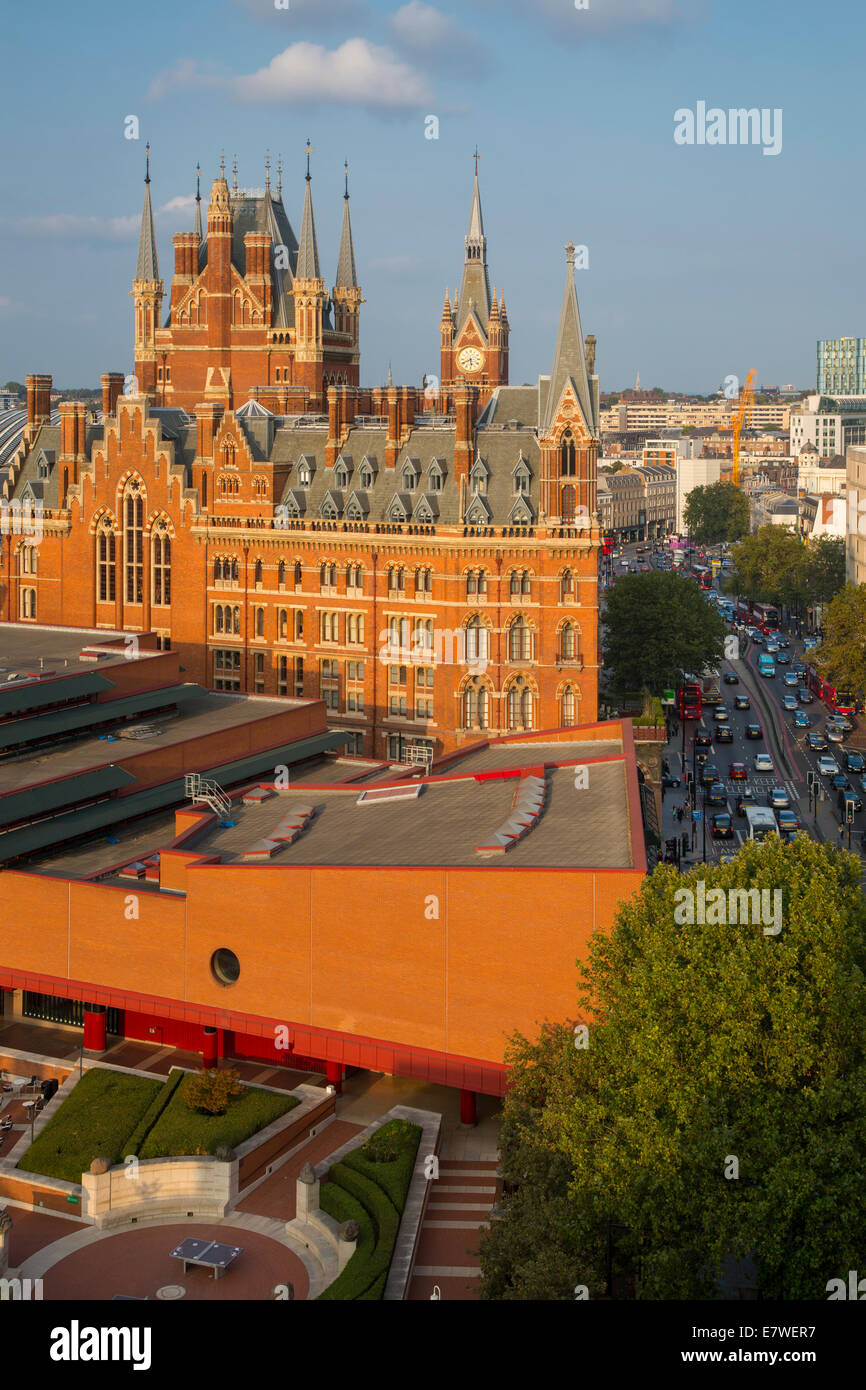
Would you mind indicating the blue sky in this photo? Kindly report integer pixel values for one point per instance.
(704, 260)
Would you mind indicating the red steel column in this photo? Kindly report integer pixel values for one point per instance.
(334, 1074)
(468, 1114)
(94, 1028)
(209, 1050)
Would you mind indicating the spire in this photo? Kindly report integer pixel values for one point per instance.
(637, 382)
(390, 381)
(197, 224)
(446, 307)
(494, 308)
(569, 357)
(347, 275)
(308, 251)
(475, 288)
(279, 176)
(267, 172)
(148, 264)
(235, 174)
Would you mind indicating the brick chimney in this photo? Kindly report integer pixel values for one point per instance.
(38, 404)
(465, 399)
(112, 388)
(392, 439)
(208, 415)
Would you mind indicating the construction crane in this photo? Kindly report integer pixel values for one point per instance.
(742, 417)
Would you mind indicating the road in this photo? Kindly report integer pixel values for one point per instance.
(791, 757)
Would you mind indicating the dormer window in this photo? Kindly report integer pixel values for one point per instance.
(478, 478)
(43, 468)
(305, 475)
(341, 475)
(522, 477)
(366, 477)
(410, 476)
(436, 476)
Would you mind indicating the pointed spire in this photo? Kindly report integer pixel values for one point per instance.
(475, 289)
(197, 224)
(390, 381)
(569, 357)
(476, 222)
(347, 275)
(235, 174)
(222, 164)
(279, 176)
(308, 250)
(446, 307)
(267, 172)
(494, 307)
(148, 264)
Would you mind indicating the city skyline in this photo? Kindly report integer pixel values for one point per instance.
(696, 266)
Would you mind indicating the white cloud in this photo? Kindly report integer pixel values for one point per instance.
(185, 73)
(358, 73)
(184, 203)
(73, 227)
(428, 34)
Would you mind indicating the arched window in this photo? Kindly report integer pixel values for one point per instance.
(566, 587)
(567, 506)
(520, 641)
(281, 575)
(566, 455)
(105, 562)
(514, 583)
(299, 624)
(477, 641)
(567, 643)
(525, 583)
(259, 574)
(283, 624)
(521, 705)
(218, 618)
(28, 603)
(567, 710)
(476, 705)
(236, 616)
(471, 584)
(260, 622)
(299, 574)
(133, 542)
(160, 562)
(482, 583)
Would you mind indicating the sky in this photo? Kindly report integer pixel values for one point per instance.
(703, 260)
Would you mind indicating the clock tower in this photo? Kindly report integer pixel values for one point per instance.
(474, 331)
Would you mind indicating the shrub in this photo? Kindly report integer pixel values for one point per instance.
(390, 1140)
(93, 1122)
(212, 1091)
(153, 1111)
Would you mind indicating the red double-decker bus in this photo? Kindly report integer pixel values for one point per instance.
(689, 700)
(839, 701)
(607, 543)
(760, 615)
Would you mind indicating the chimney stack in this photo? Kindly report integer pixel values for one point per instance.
(38, 404)
(112, 388)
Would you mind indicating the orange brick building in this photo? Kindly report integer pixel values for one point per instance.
(424, 561)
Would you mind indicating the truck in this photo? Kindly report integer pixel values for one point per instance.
(760, 822)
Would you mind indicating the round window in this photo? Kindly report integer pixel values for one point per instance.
(225, 966)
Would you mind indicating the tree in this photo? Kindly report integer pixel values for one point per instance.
(17, 386)
(212, 1090)
(841, 656)
(719, 1108)
(826, 568)
(656, 626)
(776, 565)
(715, 513)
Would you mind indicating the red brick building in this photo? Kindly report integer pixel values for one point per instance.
(425, 562)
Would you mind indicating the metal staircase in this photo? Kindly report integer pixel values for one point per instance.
(199, 788)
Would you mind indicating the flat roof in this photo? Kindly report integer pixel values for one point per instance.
(30, 647)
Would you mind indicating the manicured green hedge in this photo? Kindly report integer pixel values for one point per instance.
(179, 1130)
(93, 1122)
(379, 1190)
(154, 1110)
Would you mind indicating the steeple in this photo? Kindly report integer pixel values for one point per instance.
(148, 265)
(569, 358)
(197, 224)
(475, 287)
(308, 251)
(347, 275)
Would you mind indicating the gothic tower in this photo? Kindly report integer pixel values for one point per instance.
(347, 298)
(147, 292)
(311, 302)
(474, 332)
(568, 432)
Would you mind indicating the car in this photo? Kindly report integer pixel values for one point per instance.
(754, 731)
(709, 774)
(722, 827)
(724, 734)
(854, 761)
(841, 721)
(737, 772)
(827, 766)
(703, 737)
(717, 794)
(800, 668)
(731, 678)
(835, 734)
(788, 820)
(789, 679)
(801, 719)
(771, 647)
(847, 797)
(782, 658)
(839, 782)
(669, 780)
(763, 763)
(816, 741)
(804, 695)
(757, 637)
(720, 714)
(782, 642)
(745, 797)
(742, 702)
(779, 798)
(790, 702)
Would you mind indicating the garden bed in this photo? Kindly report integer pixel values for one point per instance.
(94, 1121)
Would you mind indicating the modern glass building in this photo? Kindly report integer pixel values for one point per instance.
(842, 366)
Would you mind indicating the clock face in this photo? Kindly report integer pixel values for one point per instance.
(470, 359)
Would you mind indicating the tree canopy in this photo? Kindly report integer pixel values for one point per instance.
(716, 512)
(656, 626)
(776, 565)
(718, 1110)
(841, 656)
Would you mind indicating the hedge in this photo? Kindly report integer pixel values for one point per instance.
(154, 1110)
(101, 1110)
(379, 1190)
(179, 1130)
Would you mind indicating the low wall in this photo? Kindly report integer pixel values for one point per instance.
(258, 1154)
(27, 1064)
(154, 1188)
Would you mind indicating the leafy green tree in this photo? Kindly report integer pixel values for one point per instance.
(17, 386)
(717, 512)
(826, 568)
(775, 565)
(719, 1109)
(841, 656)
(656, 626)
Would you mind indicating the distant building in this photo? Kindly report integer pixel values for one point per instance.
(830, 423)
(776, 509)
(692, 473)
(855, 526)
(820, 476)
(842, 366)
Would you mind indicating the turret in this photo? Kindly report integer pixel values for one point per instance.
(147, 291)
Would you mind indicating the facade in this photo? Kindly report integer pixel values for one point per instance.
(855, 549)
(830, 423)
(774, 508)
(842, 366)
(428, 568)
(675, 413)
(660, 486)
(474, 330)
(691, 473)
(820, 476)
(627, 504)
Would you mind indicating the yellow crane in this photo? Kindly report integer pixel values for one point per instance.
(742, 417)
